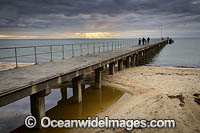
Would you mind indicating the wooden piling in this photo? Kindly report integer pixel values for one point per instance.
(77, 92)
(133, 60)
(127, 63)
(144, 56)
(120, 65)
(33, 85)
(112, 68)
(137, 59)
(140, 58)
(63, 93)
(37, 101)
(98, 76)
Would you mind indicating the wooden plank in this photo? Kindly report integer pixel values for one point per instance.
(17, 83)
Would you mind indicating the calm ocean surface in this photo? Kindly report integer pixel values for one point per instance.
(56, 49)
(183, 53)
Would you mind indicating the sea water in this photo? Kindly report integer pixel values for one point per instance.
(184, 52)
(47, 46)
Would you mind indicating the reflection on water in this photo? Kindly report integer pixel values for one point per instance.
(60, 106)
(94, 101)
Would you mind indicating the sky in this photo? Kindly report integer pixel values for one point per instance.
(54, 19)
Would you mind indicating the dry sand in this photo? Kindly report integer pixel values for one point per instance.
(157, 93)
(7, 66)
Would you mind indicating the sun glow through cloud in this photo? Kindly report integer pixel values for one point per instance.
(96, 35)
(87, 35)
(17, 37)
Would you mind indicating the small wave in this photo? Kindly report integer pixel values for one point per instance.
(176, 66)
(17, 63)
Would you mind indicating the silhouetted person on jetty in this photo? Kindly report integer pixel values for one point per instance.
(143, 40)
(170, 41)
(139, 42)
(148, 40)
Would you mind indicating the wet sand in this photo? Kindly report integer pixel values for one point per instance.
(7, 66)
(157, 93)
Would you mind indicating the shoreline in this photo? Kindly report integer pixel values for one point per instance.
(156, 93)
(176, 67)
(11, 65)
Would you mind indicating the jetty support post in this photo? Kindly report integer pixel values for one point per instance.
(151, 52)
(83, 86)
(120, 65)
(141, 57)
(144, 56)
(77, 91)
(37, 101)
(112, 68)
(127, 63)
(137, 59)
(63, 91)
(98, 77)
(147, 54)
(83, 83)
(133, 60)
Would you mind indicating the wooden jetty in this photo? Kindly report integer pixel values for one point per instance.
(36, 80)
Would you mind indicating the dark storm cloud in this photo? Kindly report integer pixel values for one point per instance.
(75, 13)
(109, 7)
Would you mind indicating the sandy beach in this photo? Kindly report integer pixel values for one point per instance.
(7, 66)
(157, 93)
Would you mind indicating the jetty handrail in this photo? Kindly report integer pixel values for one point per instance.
(91, 47)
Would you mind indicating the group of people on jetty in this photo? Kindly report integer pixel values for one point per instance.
(143, 41)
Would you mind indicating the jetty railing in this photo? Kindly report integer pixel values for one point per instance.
(64, 50)
(78, 49)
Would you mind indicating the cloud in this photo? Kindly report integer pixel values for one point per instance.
(17, 37)
(73, 16)
(96, 35)
(90, 35)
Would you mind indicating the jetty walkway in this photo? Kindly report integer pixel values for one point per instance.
(36, 80)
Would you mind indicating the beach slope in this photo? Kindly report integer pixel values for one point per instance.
(157, 93)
